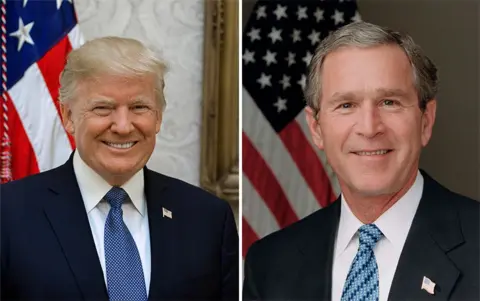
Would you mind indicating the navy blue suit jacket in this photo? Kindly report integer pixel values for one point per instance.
(48, 251)
(443, 244)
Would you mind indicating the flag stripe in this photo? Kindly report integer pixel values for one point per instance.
(75, 37)
(308, 162)
(51, 66)
(273, 151)
(24, 162)
(267, 186)
(40, 119)
(248, 237)
(256, 207)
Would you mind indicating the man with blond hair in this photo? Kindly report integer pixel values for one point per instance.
(103, 226)
(394, 233)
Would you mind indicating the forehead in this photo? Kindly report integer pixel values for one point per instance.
(118, 87)
(353, 69)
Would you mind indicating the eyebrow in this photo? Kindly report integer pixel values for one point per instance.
(111, 101)
(344, 96)
(104, 101)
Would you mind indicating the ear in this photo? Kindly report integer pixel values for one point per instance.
(66, 111)
(428, 119)
(314, 127)
(158, 123)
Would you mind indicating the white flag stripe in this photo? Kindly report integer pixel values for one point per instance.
(75, 37)
(274, 152)
(321, 155)
(40, 119)
(257, 214)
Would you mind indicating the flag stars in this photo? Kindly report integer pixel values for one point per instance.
(285, 82)
(281, 104)
(338, 17)
(275, 35)
(356, 17)
(290, 58)
(296, 35)
(319, 15)
(264, 80)
(280, 12)
(303, 81)
(261, 12)
(23, 34)
(249, 57)
(254, 34)
(307, 58)
(269, 58)
(302, 13)
(314, 37)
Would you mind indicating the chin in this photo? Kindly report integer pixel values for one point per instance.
(373, 186)
(121, 168)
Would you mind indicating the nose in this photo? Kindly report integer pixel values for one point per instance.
(370, 121)
(122, 122)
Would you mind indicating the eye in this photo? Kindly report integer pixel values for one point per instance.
(388, 102)
(140, 108)
(101, 110)
(346, 105)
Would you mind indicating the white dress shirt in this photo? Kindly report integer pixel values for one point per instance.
(394, 224)
(93, 188)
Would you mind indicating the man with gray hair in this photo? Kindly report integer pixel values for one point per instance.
(103, 226)
(394, 233)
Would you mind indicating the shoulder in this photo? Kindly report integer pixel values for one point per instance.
(283, 243)
(30, 185)
(467, 208)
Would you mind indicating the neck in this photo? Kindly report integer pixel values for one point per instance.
(369, 208)
(117, 180)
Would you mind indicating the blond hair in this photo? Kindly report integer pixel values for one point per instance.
(111, 56)
(363, 35)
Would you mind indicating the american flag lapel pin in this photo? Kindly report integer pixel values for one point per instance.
(428, 285)
(167, 213)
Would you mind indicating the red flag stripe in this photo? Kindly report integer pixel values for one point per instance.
(24, 162)
(308, 163)
(51, 65)
(267, 186)
(248, 236)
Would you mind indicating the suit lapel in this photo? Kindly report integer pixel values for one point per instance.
(434, 232)
(162, 235)
(65, 210)
(313, 280)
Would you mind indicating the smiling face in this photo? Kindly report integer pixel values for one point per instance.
(370, 124)
(114, 121)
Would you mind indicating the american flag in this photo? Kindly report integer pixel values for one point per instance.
(36, 38)
(285, 177)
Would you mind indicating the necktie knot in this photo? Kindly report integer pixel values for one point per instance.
(369, 235)
(115, 197)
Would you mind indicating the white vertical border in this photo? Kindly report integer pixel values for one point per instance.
(240, 155)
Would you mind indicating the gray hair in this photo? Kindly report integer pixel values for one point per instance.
(111, 56)
(364, 35)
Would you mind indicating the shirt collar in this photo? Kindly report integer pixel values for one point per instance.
(394, 223)
(93, 187)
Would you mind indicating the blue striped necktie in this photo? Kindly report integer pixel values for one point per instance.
(125, 280)
(362, 279)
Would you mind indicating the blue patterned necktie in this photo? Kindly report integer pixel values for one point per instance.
(125, 281)
(362, 279)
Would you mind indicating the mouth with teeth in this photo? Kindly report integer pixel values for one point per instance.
(379, 152)
(125, 145)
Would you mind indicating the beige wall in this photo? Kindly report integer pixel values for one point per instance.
(449, 32)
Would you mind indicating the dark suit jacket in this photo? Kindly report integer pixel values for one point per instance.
(48, 251)
(443, 244)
